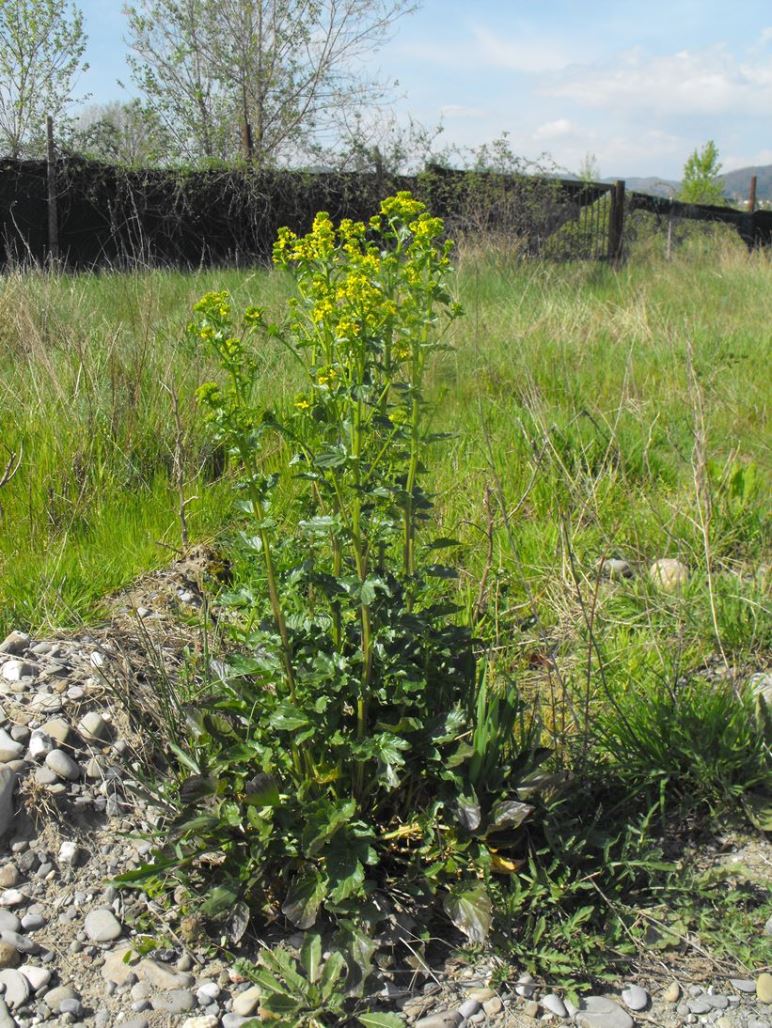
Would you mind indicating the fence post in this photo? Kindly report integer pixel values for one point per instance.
(53, 220)
(752, 196)
(616, 222)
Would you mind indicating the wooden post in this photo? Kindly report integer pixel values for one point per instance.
(752, 196)
(53, 220)
(616, 222)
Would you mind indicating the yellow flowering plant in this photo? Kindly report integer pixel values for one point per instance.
(354, 736)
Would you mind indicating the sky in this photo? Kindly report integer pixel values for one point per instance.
(635, 84)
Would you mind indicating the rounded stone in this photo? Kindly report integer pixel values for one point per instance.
(246, 1002)
(764, 987)
(102, 925)
(93, 728)
(602, 1012)
(38, 977)
(469, 1007)
(63, 765)
(672, 993)
(16, 992)
(669, 574)
(54, 997)
(554, 1004)
(176, 1001)
(202, 1021)
(635, 998)
(9, 956)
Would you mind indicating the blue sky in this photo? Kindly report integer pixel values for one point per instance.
(637, 84)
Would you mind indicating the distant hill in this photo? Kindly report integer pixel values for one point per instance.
(736, 184)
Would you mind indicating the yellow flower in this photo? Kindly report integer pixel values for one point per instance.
(302, 404)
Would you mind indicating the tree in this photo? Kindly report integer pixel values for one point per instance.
(701, 182)
(119, 133)
(260, 77)
(41, 48)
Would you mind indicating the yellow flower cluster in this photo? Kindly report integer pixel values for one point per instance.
(216, 306)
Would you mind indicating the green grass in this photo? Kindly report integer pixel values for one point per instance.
(572, 392)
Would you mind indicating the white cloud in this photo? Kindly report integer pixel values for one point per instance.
(461, 111)
(558, 129)
(703, 82)
(523, 55)
(757, 159)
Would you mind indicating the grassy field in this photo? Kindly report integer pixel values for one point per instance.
(589, 414)
(579, 392)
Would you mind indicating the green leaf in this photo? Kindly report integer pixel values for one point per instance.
(469, 813)
(508, 814)
(220, 899)
(197, 787)
(311, 956)
(382, 1020)
(470, 911)
(287, 718)
(334, 967)
(304, 898)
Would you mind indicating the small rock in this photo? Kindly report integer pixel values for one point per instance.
(468, 1008)
(16, 643)
(635, 998)
(531, 1008)
(9, 748)
(102, 925)
(719, 1002)
(40, 744)
(69, 853)
(15, 670)
(493, 1006)
(204, 1021)
(12, 898)
(6, 1021)
(672, 993)
(602, 1012)
(135, 1022)
(38, 977)
(445, 1019)
(615, 569)
(481, 995)
(93, 728)
(764, 987)
(743, 984)
(119, 965)
(9, 922)
(247, 1002)
(63, 765)
(71, 1006)
(22, 943)
(163, 978)
(9, 956)
(54, 997)
(9, 876)
(669, 574)
(58, 730)
(175, 1001)
(16, 991)
(700, 1005)
(554, 1004)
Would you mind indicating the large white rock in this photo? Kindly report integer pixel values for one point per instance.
(669, 574)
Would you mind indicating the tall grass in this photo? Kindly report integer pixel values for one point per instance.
(568, 386)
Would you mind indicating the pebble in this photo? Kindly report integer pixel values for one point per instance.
(15, 643)
(12, 898)
(7, 786)
(469, 1007)
(9, 922)
(672, 993)
(15, 987)
(54, 997)
(635, 998)
(38, 977)
(602, 1012)
(102, 925)
(554, 1004)
(6, 1021)
(669, 574)
(93, 728)
(743, 984)
(9, 748)
(9, 956)
(40, 745)
(246, 1002)
(204, 1021)
(764, 987)
(63, 765)
(493, 1006)
(175, 1001)
(700, 1005)
(15, 670)
(531, 1008)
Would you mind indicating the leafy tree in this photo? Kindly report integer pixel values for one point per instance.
(260, 77)
(41, 48)
(119, 133)
(701, 182)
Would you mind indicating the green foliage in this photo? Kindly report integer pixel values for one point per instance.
(42, 43)
(700, 183)
(353, 737)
